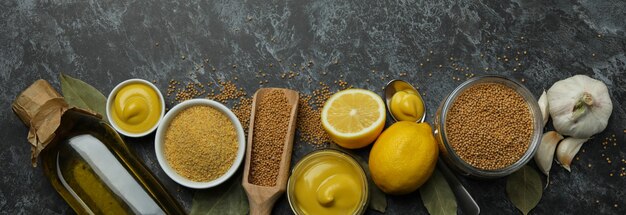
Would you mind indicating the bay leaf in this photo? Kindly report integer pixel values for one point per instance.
(437, 196)
(524, 188)
(80, 94)
(378, 199)
(228, 198)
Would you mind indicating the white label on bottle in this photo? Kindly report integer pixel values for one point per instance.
(113, 174)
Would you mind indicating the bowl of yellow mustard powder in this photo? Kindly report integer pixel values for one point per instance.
(200, 143)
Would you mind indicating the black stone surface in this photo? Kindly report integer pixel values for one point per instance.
(433, 42)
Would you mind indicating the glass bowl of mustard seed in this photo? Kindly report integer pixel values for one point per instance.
(488, 127)
(200, 143)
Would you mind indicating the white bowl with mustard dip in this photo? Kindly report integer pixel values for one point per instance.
(135, 107)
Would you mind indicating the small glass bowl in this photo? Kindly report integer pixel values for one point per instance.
(452, 158)
(312, 158)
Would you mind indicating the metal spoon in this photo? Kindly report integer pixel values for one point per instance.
(466, 201)
(398, 85)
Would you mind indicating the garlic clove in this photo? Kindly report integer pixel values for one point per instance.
(543, 105)
(545, 152)
(566, 151)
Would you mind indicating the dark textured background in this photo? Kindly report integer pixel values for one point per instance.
(106, 42)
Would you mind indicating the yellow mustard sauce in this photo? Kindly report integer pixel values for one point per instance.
(136, 108)
(329, 183)
(406, 105)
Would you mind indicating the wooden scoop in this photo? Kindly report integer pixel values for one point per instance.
(262, 198)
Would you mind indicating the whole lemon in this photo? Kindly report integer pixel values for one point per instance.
(403, 157)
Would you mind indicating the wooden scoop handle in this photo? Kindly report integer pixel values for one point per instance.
(263, 206)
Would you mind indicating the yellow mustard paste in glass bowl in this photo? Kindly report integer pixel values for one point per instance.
(327, 182)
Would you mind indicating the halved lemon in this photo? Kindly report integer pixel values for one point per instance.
(354, 118)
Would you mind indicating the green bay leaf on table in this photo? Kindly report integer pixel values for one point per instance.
(228, 198)
(524, 188)
(437, 195)
(378, 199)
(80, 94)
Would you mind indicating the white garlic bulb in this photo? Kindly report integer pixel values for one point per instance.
(580, 106)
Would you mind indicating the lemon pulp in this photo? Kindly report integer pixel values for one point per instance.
(353, 118)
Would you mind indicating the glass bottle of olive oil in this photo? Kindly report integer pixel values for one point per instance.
(86, 161)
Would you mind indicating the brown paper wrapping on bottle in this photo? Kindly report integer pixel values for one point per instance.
(41, 107)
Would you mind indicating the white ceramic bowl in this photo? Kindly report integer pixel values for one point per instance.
(160, 138)
(111, 98)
